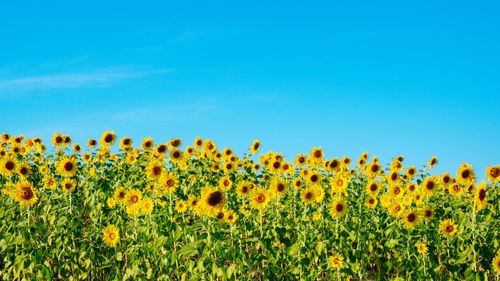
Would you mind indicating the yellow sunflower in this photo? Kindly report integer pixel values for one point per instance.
(496, 264)
(448, 228)
(430, 185)
(316, 155)
(8, 166)
(371, 202)
(133, 197)
(410, 219)
(480, 199)
(68, 185)
(455, 190)
(421, 248)
(154, 170)
(49, 182)
(111, 235)
(181, 206)
(24, 170)
(493, 173)
(169, 183)
(465, 174)
(300, 160)
(432, 162)
(120, 194)
(108, 138)
(307, 195)
(338, 208)
(147, 144)
(278, 186)
(25, 194)
(147, 205)
(254, 149)
(67, 167)
(336, 261)
(372, 188)
(212, 200)
(259, 198)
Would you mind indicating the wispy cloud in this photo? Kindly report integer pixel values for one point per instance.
(95, 78)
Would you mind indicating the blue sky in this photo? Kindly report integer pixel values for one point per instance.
(390, 77)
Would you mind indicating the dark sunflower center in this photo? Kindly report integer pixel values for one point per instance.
(340, 182)
(59, 139)
(318, 154)
(373, 187)
(261, 198)
(68, 185)
(134, 198)
(411, 171)
(482, 194)
(446, 179)
(220, 215)
(394, 176)
(226, 182)
(93, 142)
(411, 217)
(494, 172)
(371, 201)
(68, 166)
(199, 143)
(126, 141)
(229, 166)
(449, 228)
(162, 148)
(156, 170)
(396, 191)
(121, 194)
(428, 213)
(339, 208)
(314, 178)
(430, 185)
(256, 146)
(215, 198)
(276, 165)
(9, 165)
(374, 168)
(465, 174)
(147, 144)
(176, 143)
(27, 193)
(411, 187)
(23, 171)
(170, 182)
(298, 183)
(108, 138)
(112, 236)
(244, 189)
(309, 195)
(433, 161)
(280, 187)
(334, 164)
(302, 159)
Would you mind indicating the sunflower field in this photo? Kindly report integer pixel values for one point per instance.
(109, 210)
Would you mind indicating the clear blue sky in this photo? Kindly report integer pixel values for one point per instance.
(391, 77)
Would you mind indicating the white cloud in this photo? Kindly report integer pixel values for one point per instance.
(96, 78)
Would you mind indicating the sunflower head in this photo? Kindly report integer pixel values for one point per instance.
(25, 194)
(108, 138)
(338, 208)
(493, 173)
(448, 228)
(111, 235)
(336, 261)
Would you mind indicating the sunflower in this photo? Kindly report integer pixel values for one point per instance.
(339, 184)
(334, 165)
(338, 208)
(133, 198)
(411, 172)
(448, 228)
(430, 185)
(147, 205)
(395, 209)
(230, 217)
(496, 264)
(8, 166)
(480, 199)
(25, 194)
(455, 189)
(372, 188)
(181, 206)
(108, 138)
(169, 183)
(111, 235)
(154, 170)
(316, 155)
(126, 143)
(67, 167)
(393, 177)
(493, 173)
(336, 261)
(300, 160)
(259, 198)
(421, 248)
(175, 143)
(24, 170)
(411, 187)
(278, 186)
(120, 194)
(313, 177)
(428, 213)
(225, 183)
(91, 143)
(319, 193)
(371, 202)
(395, 191)
(57, 139)
(111, 202)
(410, 219)
(432, 162)
(465, 174)
(198, 143)
(307, 195)
(372, 170)
(243, 189)
(68, 185)
(446, 179)
(212, 200)
(209, 146)
(297, 183)
(49, 182)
